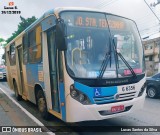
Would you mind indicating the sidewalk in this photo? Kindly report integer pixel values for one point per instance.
(11, 115)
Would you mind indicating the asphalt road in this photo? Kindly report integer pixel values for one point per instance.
(148, 116)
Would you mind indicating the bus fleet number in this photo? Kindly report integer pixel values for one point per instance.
(128, 88)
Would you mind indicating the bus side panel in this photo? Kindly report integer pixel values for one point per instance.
(46, 73)
(62, 100)
(32, 79)
(67, 83)
(14, 76)
(9, 78)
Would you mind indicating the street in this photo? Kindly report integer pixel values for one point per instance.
(148, 116)
(11, 115)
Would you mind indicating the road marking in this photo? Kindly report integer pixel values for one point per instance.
(26, 112)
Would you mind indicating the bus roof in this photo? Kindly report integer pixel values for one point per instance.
(51, 12)
(55, 12)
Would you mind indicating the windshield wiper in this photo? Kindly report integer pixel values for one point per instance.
(127, 64)
(104, 64)
(124, 60)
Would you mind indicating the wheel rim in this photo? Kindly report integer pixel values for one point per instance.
(151, 92)
(41, 104)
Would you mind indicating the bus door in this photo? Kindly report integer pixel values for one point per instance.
(52, 53)
(21, 69)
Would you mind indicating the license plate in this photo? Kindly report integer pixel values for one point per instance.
(117, 108)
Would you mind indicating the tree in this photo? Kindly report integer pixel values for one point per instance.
(1, 40)
(22, 26)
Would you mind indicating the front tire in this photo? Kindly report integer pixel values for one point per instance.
(42, 105)
(151, 92)
(18, 97)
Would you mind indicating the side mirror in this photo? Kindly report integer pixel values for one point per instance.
(60, 35)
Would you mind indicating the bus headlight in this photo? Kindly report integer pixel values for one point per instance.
(142, 90)
(74, 93)
(79, 96)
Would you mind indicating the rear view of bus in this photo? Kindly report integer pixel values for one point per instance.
(104, 61)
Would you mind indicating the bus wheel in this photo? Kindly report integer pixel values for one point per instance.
(42, 105)
(18, 97)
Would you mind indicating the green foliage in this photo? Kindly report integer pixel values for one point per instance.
(22, 26)
(1, 40)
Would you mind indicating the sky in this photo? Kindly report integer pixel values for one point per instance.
(133, 9)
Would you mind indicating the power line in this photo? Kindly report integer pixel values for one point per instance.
(101, 3)
(147, 23)
(150, 35)
(149, 28)
(146, 15)
(152, 11)
(144, 19)
(140, 21)
(151, 32)
(106, 4)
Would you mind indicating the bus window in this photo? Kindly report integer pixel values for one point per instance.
(34, 49)
(38, 43)
(32, 44)
(25, 48)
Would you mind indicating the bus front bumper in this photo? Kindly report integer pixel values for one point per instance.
(76, 112)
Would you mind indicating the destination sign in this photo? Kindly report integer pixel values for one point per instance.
(98, 22)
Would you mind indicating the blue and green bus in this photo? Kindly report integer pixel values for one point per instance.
(78, 64)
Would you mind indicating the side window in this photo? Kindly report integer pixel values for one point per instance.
(34, 50)
(12, 54)
(31, 49)
(25, 49)
(156, 76)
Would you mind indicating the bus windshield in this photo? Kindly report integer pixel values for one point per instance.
(92, 36)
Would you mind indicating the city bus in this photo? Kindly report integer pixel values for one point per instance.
(78, 64)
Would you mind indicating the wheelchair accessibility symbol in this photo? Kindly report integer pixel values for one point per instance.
(97, 92)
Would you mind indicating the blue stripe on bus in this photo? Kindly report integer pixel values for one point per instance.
(90, 91)
(62, 100)
(32, 74)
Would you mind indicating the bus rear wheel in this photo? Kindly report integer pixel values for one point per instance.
(42, 105)
(18, 97)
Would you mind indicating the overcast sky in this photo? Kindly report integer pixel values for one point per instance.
(134, 9)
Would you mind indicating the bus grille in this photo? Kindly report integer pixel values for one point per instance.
(111, 99)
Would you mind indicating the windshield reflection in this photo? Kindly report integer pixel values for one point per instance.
(89, 42)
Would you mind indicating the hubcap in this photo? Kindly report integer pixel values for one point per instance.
(151, 92)
(41, 104)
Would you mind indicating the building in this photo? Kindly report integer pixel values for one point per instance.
(152, 55)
